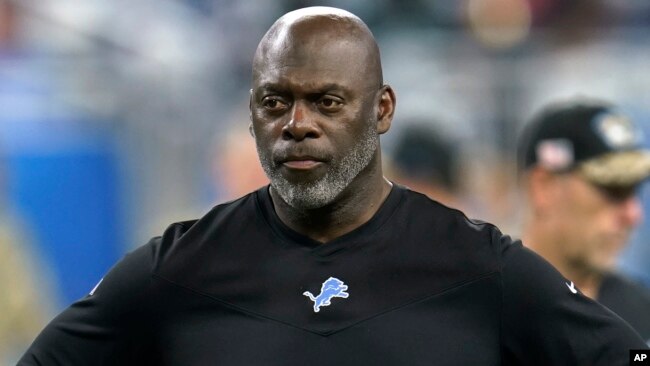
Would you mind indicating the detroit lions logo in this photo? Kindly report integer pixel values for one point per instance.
(333, 287)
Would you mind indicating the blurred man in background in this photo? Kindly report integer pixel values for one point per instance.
(582, 166)
(426, 161)
(236, 167)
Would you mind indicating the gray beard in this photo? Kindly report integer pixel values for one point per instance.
(340, 173)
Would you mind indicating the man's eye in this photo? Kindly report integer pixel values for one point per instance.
(619, 194)
(330, 104)
(273, 104)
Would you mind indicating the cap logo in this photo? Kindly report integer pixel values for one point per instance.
(555, 154)
(616, 131)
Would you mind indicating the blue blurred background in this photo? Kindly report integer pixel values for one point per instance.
(120, 117)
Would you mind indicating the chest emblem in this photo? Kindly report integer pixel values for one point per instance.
(333, 287)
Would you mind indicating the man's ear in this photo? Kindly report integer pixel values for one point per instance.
(250, 105)
(385, 109)
(542, 187)
(250, 113)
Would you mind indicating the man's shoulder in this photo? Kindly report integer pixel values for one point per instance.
(624, 284)
(425, 202)
(216, 216)
(452, 230)
(420, 204)
(619, 290)
(186, 242)
(629, 299)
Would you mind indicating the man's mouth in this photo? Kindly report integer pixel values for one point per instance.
(301, 162)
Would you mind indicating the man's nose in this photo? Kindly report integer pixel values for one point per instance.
(302, 124)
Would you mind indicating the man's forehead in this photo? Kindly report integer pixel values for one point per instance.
(332, 63)
(325, 47)
(305, 78)
(308, 86)
(309, 34)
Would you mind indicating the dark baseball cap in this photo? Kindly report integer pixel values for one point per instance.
(422, 152)
(587, 136)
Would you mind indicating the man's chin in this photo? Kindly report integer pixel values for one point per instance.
(301, 179)
(305, 196)
(304, 202)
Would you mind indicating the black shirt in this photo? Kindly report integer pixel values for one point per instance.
(418, 284)
(629, 300)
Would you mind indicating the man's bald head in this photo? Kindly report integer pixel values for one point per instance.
(296, 35)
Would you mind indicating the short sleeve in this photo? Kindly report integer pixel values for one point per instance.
(106, 327)
(547, 321)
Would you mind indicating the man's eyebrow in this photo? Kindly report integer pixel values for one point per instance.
(268, 86)
(330, 87)
(315, 88)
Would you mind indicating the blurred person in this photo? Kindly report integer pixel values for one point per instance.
(236, 168)
(330, 264)
(426, 162)
(582, 164)
(429, 161)
(234, 171)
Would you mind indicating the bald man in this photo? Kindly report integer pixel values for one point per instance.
(330, 264)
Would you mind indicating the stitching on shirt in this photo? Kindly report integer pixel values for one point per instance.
(328, 333)
(415, 301)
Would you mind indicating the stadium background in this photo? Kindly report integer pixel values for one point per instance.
(120, 117)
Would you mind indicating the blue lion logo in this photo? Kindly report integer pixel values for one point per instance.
(333, 287)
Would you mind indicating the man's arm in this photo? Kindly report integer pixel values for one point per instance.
(107, 327)
(547, 321)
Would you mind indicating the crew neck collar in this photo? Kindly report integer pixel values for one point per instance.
(360, 234)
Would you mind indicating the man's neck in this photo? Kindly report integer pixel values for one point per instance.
(358, 203)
